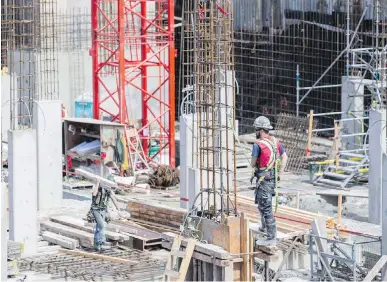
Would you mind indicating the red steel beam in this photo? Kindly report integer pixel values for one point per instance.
(131, 41)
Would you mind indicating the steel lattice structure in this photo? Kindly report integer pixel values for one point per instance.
(133, 43)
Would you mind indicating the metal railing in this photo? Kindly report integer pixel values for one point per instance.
(350, 260)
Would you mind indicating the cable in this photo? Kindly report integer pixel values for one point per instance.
(380, 139)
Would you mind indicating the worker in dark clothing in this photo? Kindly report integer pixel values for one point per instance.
(265, 154)
(100, 200)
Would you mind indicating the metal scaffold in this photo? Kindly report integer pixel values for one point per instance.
(133, 43)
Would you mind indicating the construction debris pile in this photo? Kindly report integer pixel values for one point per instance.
(164, 176)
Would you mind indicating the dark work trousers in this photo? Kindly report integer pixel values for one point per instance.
(264, 198)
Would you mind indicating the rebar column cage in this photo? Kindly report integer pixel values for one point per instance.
(22, 61)
(133, 41)
(215, 104)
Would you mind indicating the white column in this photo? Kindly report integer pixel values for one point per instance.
(48, 125)
(23, 188)
(384, 215)
(352, 100)
(377, 129)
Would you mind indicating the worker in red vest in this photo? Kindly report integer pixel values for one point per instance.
(264, 159)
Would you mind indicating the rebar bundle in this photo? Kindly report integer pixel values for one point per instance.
(209, 66)
(22, 63)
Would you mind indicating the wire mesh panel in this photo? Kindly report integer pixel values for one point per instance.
(275, 38)
(292, 132)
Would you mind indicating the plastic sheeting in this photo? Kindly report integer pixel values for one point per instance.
(87, 148)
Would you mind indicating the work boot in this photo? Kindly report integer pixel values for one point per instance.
(105, 247)
(97, 247)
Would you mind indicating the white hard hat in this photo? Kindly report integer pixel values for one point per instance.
(262, 122)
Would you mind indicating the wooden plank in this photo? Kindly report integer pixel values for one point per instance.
(202, 257)
(85, 239)
(339, 208)
(208, 249)
(186, 261)
(251, 258)
(60, 240)
(98, 256)
(80, 224)
(244, 226)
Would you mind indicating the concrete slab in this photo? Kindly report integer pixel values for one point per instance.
(48, 125)
(23, 188)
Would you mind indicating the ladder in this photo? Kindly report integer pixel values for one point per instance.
(350, 164)
(176, 258)
(136, 153)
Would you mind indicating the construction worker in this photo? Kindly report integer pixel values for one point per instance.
(100, 200)
(265, 154)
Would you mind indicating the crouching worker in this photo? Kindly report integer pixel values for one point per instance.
(265, 154)
(99, 214)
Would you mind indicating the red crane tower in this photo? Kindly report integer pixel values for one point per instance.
(133, 58)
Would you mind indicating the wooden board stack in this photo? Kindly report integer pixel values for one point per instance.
(159, 216)
(288, 219)
(70, 233)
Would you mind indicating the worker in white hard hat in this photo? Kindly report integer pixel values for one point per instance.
(265, 153)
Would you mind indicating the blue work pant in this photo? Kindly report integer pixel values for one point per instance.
(99, 232)
(264, 198)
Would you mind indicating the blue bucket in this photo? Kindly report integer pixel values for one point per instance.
(83, 109)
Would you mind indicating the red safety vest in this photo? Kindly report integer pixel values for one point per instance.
(268, 156)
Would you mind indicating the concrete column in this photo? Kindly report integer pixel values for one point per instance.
(48, 125)
(384, 214)
(377, 131)
(3, 233)
(352, 100)
(3, 205)
(23, 188)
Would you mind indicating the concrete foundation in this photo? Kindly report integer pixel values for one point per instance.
(23, 189)
(48, 126)
(377, 144)
(352, 104)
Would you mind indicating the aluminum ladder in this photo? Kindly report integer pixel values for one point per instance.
(351, 163)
